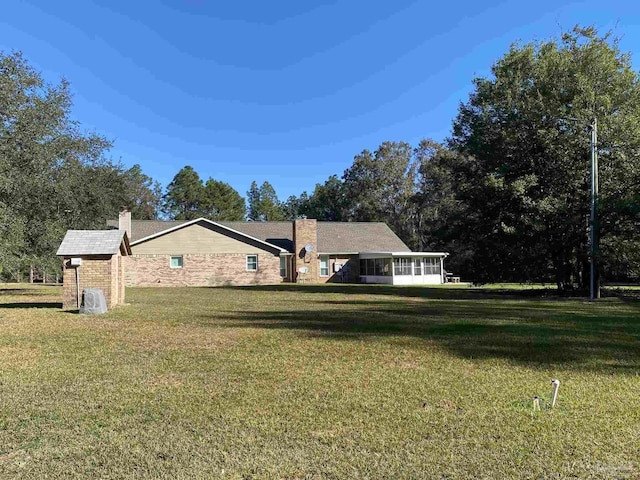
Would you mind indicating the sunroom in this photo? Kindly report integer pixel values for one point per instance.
(402, 268)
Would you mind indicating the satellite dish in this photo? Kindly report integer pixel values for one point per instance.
(303, 270)
(308, 248)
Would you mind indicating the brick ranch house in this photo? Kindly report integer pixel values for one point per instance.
(206, 253)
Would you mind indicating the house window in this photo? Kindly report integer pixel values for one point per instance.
(175, 261)
(283, 267)
(363, 267)
(417, 266)
(432, 266)
(324, 265)
(402, 266)
(252, 263)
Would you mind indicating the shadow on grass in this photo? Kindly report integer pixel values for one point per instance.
(20, 291)
(443, 292)
(536, 332)
(57, 305)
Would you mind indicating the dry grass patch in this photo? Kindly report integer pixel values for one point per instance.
(319, 382)
(17, 357)
(149, 337)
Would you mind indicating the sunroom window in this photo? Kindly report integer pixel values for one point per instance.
(402, 266)
(432, 266)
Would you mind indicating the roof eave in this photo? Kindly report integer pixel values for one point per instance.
(338, 253)
(403, 254)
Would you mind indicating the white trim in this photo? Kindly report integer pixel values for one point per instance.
(420, 266)
(246, 262)
(366, 255)
(338, 253)
(211, 222)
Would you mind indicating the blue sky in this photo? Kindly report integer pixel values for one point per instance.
(284, 91)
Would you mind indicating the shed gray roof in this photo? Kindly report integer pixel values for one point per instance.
(333, 237)
(91, 242)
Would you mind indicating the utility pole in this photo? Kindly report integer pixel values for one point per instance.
(595, 277)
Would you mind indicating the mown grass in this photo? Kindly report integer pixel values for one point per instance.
(319, 382)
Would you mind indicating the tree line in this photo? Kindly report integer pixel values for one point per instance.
(54, 176)
(507, 194)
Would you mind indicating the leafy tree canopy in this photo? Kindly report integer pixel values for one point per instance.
(53, 176)
(525, 177)
(222, 202)
(264, 204)
(184, 196)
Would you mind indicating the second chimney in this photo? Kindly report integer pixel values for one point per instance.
(124, 222)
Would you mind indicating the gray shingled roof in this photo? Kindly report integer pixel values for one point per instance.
(91, 242)
(144, 228)
(351, 237)
(333, 237)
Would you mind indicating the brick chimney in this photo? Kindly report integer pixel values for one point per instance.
(124, 222)
(305, 233)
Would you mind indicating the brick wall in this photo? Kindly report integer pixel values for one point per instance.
(117, 279)
(121, 265)
(115, 291)
(306, 232)
(201, 270)
(95, 272)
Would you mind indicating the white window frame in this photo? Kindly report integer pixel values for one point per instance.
(432, 266)
(247, 263)
(402, 266)
(418, 267)
(320, 265)
(181, 257)
(283, 266)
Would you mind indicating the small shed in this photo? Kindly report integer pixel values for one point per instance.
(93, 259)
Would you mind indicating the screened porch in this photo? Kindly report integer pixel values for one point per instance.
(402, 268)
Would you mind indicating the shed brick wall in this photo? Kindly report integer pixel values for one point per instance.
(121, 265)
(117, 286)
(201, 270)
(95, 272)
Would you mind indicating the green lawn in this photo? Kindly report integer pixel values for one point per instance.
(319, 382)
